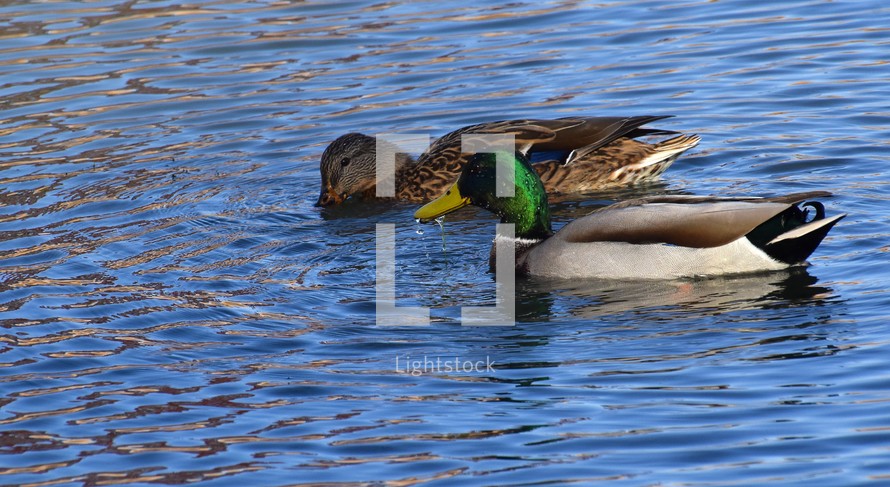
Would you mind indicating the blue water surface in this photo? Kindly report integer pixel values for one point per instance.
(174, 310)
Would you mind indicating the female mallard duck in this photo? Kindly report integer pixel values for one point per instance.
(591, 153)
(659, 237)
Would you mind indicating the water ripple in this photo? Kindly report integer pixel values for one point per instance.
(173, 309)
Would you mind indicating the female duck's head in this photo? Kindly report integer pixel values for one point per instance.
(486, 181)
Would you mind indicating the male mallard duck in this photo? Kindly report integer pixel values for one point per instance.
(659, 237)
(591, 153)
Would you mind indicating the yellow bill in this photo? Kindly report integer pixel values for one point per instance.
(443, 205)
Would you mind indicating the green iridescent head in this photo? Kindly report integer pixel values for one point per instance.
(479, 185)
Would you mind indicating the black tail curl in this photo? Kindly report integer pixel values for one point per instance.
(791, 250)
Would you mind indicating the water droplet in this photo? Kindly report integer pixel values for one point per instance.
(419, 230)
(441, 222)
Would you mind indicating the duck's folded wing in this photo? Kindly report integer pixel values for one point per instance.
(692, 222)
(594, 132)
(563, 134)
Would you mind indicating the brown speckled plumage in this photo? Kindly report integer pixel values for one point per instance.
(595, 152)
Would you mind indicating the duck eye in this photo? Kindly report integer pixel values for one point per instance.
(344, 162)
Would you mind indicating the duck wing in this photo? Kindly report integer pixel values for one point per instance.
(699, 222)
(562, 134)
(592, 133)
